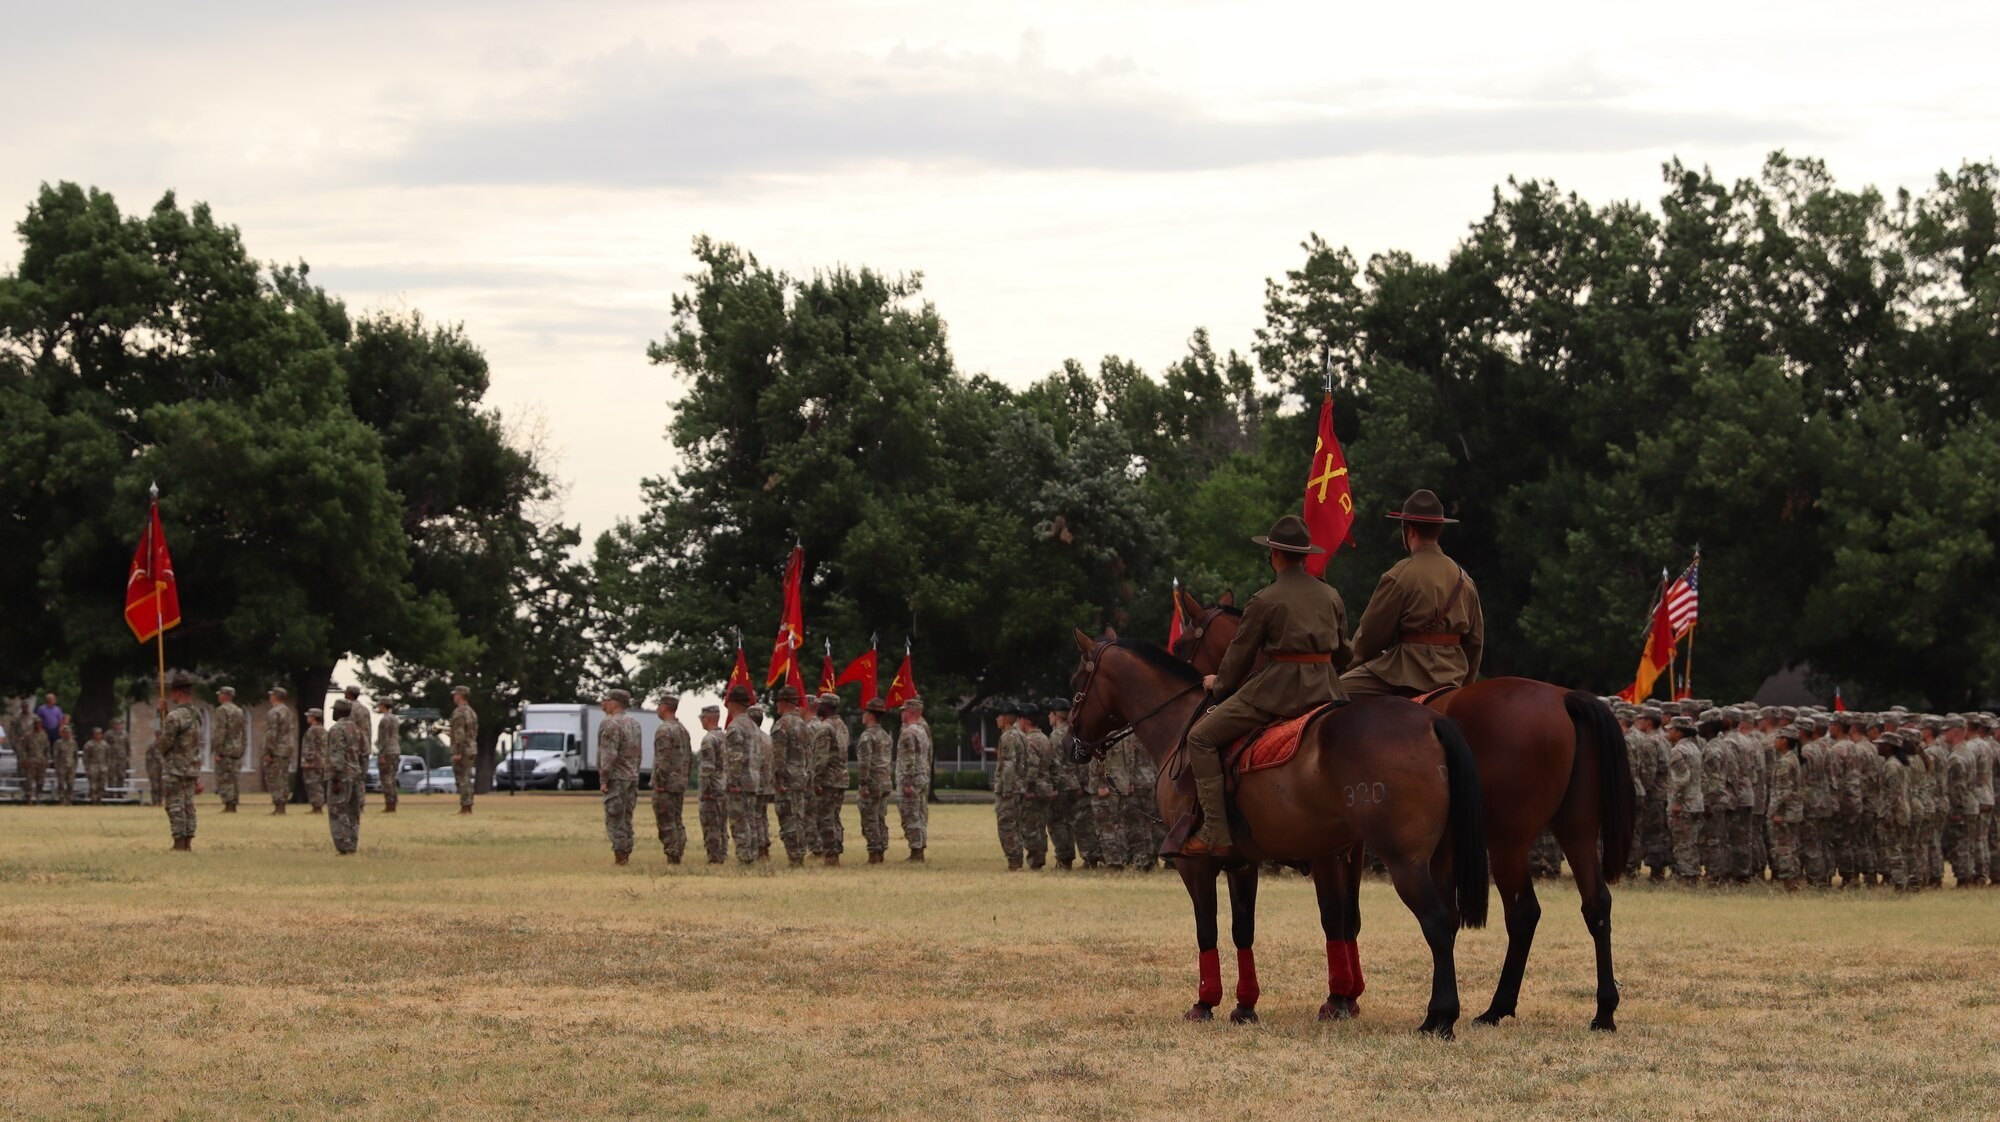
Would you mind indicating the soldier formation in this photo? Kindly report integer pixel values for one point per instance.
(1102, 811)
(1811, 797)
(47, 763)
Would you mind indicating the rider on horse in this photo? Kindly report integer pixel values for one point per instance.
(1299, 623)
(1423, 629)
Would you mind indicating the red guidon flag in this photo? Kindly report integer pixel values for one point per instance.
(1658, 653)
(152, 599)
(827, 681)
(903, 686)
(1329, 505)
(1174, 624)
(741, 674)
(791, 628)
(861, 670)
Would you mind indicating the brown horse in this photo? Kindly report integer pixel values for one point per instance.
(1549, 758)
(1387, 773)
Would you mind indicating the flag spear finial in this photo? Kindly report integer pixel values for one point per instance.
(153, 489)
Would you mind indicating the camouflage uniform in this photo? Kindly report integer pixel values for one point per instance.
(829, 786)
(312, 761)
(94, 751)
(620, 748)
(1082, 810)
(1962, 803)
(1144, 828)
(464, 752)
(180, 767)
(1040, 797)
(1937, 756)
(1685, 800)
(792, 742)
(1718, 796)
(1785, 807)
(1986, 843)
(1009, 757)
(1816, 834)
(1750, 806)
(32, 757)
(65, 766)
(1545, 857)
(156, 783)
(1110, 786)
(1846, 783)
(118, 758)
(873, 754)
(913, 783)
(1892, 815)
(346, 781)
(1063, 837)
(714, 793)
(389, 757)
(281, 738)
(231, 732)
(767, 781)
(743, 763)
(1867, 764)
(671, 752)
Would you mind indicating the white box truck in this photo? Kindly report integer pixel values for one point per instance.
(556, 747)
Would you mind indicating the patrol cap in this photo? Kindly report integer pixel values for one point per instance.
(876, 705)
(97, 730)
(1710, 715)
(1787, 732)
(914, 705)
(225, 691)
(352, 692)
(622, 697)
(279, 692)
(1955, 721)
(1652, 711)
(1683, 722)
(316, 711)
(342, 708)
(755, 713)
(829, 698)
(1898, 709)
(711, 710)
(461, 691)
(1769, 713)
(740, 694)
(1933, 723)
(670, 700)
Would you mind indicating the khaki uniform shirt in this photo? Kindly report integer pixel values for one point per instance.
(1412, 597)
(1295, 614)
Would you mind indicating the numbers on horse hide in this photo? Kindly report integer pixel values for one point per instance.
(1364, 794)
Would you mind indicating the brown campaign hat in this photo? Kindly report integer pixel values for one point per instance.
(1289, 535)
(876, 705)
(1422, 506)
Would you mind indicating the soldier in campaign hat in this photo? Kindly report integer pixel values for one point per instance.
(1423, 629)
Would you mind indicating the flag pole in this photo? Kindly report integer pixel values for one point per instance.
(159, 610)
(1687, 674)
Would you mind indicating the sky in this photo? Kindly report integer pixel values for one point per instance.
(1072, 179)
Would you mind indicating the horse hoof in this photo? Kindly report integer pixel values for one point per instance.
(1339, 1009)
(1603, 1024)
(1242, 1015)
(1439, 1029)
(1492, 1017)
(1199, 1012)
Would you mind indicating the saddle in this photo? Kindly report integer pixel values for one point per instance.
(1268, 747)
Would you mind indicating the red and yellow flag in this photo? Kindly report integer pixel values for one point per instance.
(862, 670)
(152, 598)
(1329, 503)
(740, 676)
(827, 681)
(1174, 624)
(791, 628)
(903, 686)
(1658, 653)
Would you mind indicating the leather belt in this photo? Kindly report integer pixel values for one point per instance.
(1300, 656)
(1430, 638)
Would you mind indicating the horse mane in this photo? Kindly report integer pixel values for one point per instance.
(1159, 658)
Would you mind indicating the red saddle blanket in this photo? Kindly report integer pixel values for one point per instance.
(1270, 746)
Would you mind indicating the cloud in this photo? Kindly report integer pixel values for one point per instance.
(700, 117)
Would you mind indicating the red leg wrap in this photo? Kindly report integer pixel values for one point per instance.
(1343, 968)
(1210, 993)
(1246, 977)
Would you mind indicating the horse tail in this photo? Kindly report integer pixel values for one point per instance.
(1467, 817)
(1615, 805)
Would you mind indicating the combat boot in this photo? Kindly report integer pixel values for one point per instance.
(797, 860)
(874, 857)
(229, 809)
(916, 856)
(623, 856)
(672, 860)
(1013, 864)
(833, 860)
(1065, 862)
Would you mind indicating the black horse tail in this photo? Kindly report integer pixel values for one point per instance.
(1616, 808)
(1467, 817)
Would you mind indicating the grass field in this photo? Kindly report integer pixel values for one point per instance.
(499, 966)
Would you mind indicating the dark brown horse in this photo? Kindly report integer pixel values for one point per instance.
(1387, 773)
(1549, 758)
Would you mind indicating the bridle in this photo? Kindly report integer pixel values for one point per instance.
(1092, 663)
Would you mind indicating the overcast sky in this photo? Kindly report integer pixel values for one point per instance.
(1073, 179)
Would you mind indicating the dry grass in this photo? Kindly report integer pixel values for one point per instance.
(501, 967)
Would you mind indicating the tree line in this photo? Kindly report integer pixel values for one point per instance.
(1799, 378)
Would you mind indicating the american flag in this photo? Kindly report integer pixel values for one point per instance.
(1684, 599)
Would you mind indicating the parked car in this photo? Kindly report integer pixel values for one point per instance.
(409, 772)
(438, 781)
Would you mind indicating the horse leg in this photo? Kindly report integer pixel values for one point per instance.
(1337, 882)
(1580, 845)
(1420, 893)
(1243, 930)
(1517, 898)
(1198, 875)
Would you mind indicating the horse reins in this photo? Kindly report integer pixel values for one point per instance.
(1097, 747)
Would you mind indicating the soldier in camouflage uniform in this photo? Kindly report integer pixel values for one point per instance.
(714, 786)
(1937, 755)
(1750, 807)
(829, 779)
(1142, 814)
(1718, 796)
(1869, 758)
(1659, 844)
(232, 730)
(94, 751)
(1816, 782)
(156, 784)
(389, 753)
(118, 757)
(792, 742)
(1073, 794)
(913, 777)
(1008, 760)
(346, 777)
(620, 749)
(671, 756)
(874, 756)
(1110, 785)
(1962, 808)
(766, 755)
(312, 760)
(464, 746)
(1893, 808)
(1785, 807)
(1986, 756)
(64, 763)
(1685, 797)
(1039, 777)
(180, 758)
(743, 764)
(281, 738)
(1545, 857)
(32, 757)
(364, 723)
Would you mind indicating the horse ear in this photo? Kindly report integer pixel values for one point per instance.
(1110, 635)
(1084, 642)
(1186, 604)
(1227, 599)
